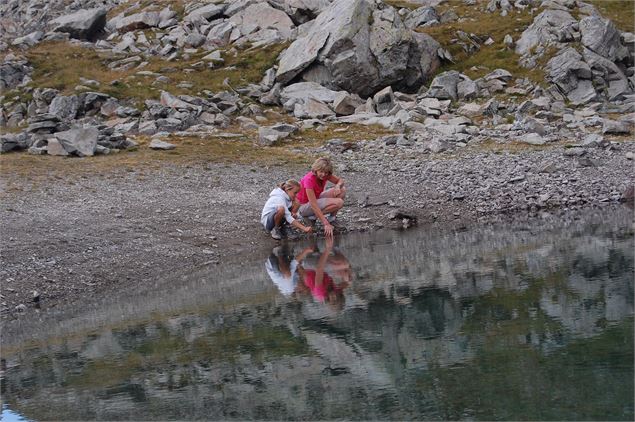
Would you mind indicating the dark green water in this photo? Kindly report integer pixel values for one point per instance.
(520, 322)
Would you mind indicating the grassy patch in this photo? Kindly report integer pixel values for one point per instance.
(52, 69)
(474, 20)
(621, 12)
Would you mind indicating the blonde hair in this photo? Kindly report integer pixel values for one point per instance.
(322, 164)
(289, 184)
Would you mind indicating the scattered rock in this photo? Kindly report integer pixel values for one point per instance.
(161, 145)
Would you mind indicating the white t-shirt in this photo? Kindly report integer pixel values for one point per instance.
(286, 285)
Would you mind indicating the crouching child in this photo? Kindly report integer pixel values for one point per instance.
(277, 209)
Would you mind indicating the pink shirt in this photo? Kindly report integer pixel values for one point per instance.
(319, 291)
(310, 181)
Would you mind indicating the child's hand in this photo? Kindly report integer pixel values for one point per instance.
(294, 214)
(307, 229)
(328, 230)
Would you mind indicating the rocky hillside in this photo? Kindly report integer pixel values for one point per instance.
(95, 77)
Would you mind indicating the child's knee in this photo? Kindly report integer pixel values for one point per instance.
(338, 202)
(280, 210)
(342, 192)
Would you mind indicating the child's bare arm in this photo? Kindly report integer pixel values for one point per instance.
(301, 226)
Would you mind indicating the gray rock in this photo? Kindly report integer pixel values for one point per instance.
(138, 21)
(302, 91)
(384, 100)
(610, 74)
(470, 110)
(466, 89)
(532, 139)
(421, 16)
(361, 49)
(220, 34)
(204, 14)
(312, 109)
(64, 107)
(161, 145)
(268, 136)
(28, 40)
(435, 145)
(148, 127)
(81, 142)
(13, 73)
(544, 30)
(54, 147)
(272, 97)
(592, 140)
(615, 127)
(83, 24)
(600, 36)
(171, 101)
(194, 40)
(261, 16)
(345, 104)
(572, 76)
(508, 41)
(444, 86)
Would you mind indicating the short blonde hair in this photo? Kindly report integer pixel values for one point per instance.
(322, 164)
(289, 184)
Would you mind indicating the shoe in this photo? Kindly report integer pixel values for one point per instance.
(275, 233)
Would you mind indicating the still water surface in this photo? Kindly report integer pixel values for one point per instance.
(512, 322)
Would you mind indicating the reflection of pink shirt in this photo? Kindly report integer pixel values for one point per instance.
(310, 181)
(319, 291)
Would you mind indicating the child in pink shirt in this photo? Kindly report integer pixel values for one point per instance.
(314, 200)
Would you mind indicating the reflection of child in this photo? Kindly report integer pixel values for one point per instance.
(283, 273)
(321, 284)
(277, 207)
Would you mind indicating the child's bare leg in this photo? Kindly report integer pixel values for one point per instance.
(277, 218)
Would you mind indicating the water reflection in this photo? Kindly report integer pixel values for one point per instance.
(513, 323)
(312, 275)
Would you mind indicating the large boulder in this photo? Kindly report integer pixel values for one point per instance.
(81, 142)
(548, 28)
(84, 24)
(600, 36)
(358, 46)
(566, 69)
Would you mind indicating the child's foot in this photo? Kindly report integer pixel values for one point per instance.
(275, 233)
(331, 219)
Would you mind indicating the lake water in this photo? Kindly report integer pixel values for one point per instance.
(508, 322)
